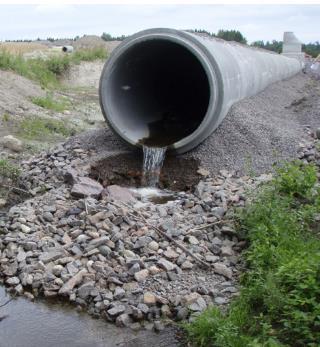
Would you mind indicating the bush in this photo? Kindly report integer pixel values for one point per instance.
(8, 170)
(279, 303)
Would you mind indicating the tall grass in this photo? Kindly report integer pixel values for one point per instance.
(47, 71)
(279, 302)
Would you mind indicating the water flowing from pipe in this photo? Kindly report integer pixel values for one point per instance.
(153, 158)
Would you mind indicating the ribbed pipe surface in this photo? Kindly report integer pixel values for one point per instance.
(164, 87)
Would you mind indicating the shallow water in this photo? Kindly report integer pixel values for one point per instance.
(42, 324)
(155, 195)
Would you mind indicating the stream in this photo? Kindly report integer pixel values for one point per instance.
(52, 324)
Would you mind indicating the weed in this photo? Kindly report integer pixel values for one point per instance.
(50, 103)
(8, 170)
(279, 302)
(35, 128)
(6, 117)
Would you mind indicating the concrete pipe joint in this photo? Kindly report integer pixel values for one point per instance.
(164, 87)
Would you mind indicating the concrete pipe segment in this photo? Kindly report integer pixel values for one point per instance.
(164, 87)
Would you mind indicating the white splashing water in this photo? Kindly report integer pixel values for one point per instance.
(153, 158)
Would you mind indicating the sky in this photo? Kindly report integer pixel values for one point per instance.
(255, 22)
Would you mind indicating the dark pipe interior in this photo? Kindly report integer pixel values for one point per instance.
(158, 92)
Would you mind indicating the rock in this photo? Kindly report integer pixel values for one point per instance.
(57, 269)
(193, 240)
(85, 187)
(84, 291)
(199, 305)
(317, 133)
(182, 313)
(119, 293)
(187, 265)
(13, 281)
(116, 310)
(53, 255)
(158, 325)
(211, 258)
(166, 264)
(203, 172)
(223, 270)
(170, 254)
(149, 298)
(123, 320)
(47, 216)
(3, 203)
(21, 256)
(134, 269)
(118, 193)
(142, 275)
(66, 289)
(25, 229)
(220, 300)
(153, 245)
(226, 251)
(12, 143)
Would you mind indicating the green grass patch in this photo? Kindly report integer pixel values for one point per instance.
(50, 103)
(48, 71)
(36, 128)
(8, 170)
(279, 302)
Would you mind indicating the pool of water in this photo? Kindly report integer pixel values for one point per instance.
(42, 324)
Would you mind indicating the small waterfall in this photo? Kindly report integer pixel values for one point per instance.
(153, 158)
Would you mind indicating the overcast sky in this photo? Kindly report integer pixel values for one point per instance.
(256, 22)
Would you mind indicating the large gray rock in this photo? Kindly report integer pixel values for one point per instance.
(12, 143)
(85, 187)
(118, 193)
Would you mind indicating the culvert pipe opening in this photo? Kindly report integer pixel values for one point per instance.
(155, 93)
(164, 87)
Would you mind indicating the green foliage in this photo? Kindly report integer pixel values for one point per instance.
(312, 49)
(279, 303)
(228, 35)
(109, 37)
(35, 128)
(231, 35)
(47, 71)
(275, 46)
(50, 103)
(6, 117)
(8, 170)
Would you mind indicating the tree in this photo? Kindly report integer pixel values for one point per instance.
(106, 37)
(231, 35)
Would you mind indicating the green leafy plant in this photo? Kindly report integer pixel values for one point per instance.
(279, 302)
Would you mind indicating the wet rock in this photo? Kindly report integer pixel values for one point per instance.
(116, 310)
(86, 187)
(118, 193)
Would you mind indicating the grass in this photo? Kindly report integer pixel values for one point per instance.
(8, 170)
(47, 71)
(279, 302)
(36, 128)
(50, 103)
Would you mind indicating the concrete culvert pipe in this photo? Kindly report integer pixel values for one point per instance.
(67, 49)
(164, 87)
